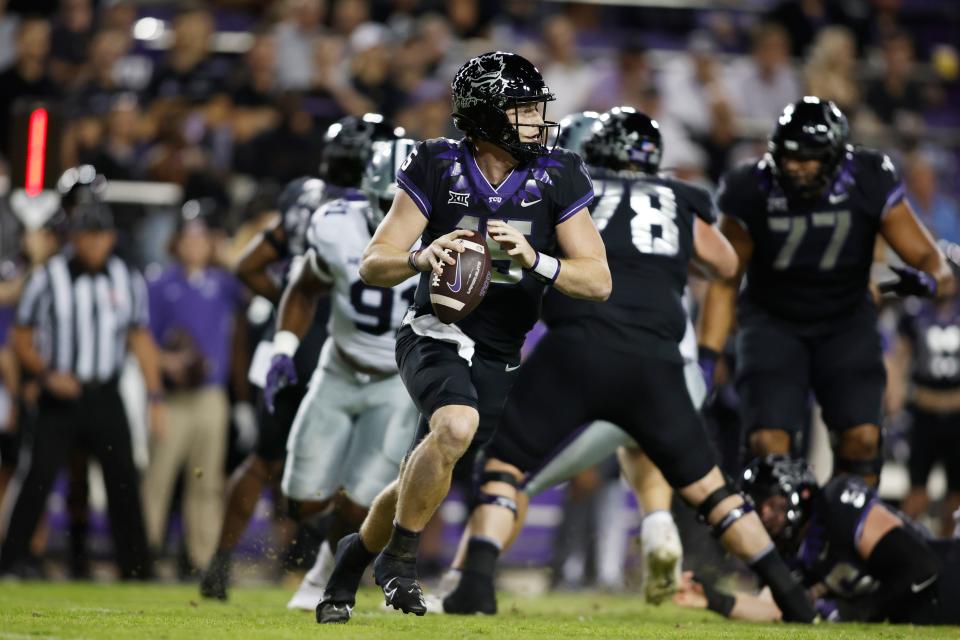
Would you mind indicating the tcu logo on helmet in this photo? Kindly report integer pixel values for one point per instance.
(481, 76)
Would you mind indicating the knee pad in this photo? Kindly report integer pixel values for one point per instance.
(720, 494)
(482, 497)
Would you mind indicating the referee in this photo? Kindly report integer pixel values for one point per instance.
(78, 315)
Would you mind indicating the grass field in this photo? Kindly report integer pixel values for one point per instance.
(62, 610)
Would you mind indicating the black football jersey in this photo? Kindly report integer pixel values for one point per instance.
(811, 263)
(933, 329)
(442, 178)
(646, 223)
(297, 202)
(828, 551)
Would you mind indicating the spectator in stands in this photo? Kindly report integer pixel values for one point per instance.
(896, 96)
(98, 94)
(119, 155)
(371, 67)
(173, 158)
(254, 88)
(8, 36)
(762, 84)
(193, 317)
(805, 18)
(348, 15)
(295, 33)
(563, 67)
(831, 68)
(134, 69)
(699, 100)
(72, 31)
(188, 70)
(938, 211)
(28, 77)
(470, 18)
(288, 150)
(331, 95)
(626, 82)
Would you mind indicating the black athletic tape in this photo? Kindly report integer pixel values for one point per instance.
(497, 501)
(718, 495)
(859, 467)
(499, 476)
(732, 516)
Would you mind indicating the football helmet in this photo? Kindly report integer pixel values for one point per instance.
(790, 478)
(486, 87)
(575, 129)
(347, 147)
(809, 129)
(379, 182)
(625, 139)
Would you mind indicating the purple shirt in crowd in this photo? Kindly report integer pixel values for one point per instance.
(204, 306)
(6, 319)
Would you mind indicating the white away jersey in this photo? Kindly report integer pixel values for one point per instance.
(363, 319)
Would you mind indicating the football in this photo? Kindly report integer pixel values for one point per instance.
(460, 287)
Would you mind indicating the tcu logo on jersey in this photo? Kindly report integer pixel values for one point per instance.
(463, 199)
(494, 199)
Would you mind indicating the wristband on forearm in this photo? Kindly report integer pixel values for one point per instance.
(285, 343)
(545, 268)
(718, 601)
(412, 260)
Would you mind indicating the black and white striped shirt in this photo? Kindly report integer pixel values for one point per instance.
(81, 319)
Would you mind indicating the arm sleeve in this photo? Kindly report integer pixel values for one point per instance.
(28, 308)
(734, 196)
(321, 241)
(415, 178)
(574, 189)
(906, 569)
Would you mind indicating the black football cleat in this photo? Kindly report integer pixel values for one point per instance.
(330, 612)
(398, 579)
(340, 595)
(215, 579)
(475, 594)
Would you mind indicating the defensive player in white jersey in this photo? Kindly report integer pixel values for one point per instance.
(357, 420)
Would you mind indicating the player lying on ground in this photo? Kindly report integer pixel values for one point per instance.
(804, 221)
(459, 374)
(356, 421)
(860, 559)
(620, 361)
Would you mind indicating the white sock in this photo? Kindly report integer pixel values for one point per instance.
(653, 523)
(321, 568)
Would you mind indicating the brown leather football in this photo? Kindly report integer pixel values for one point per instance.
(461, 287)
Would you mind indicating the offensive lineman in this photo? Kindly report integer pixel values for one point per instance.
(804, 220)
(356, 421)
(502, 181)
(620, 362)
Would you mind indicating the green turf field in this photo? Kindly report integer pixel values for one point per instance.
(114, 611)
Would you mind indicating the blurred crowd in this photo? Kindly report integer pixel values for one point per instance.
(229, 101)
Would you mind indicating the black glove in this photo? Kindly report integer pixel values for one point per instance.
(910, 283)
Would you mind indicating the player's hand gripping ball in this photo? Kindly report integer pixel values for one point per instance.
(463, 278)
